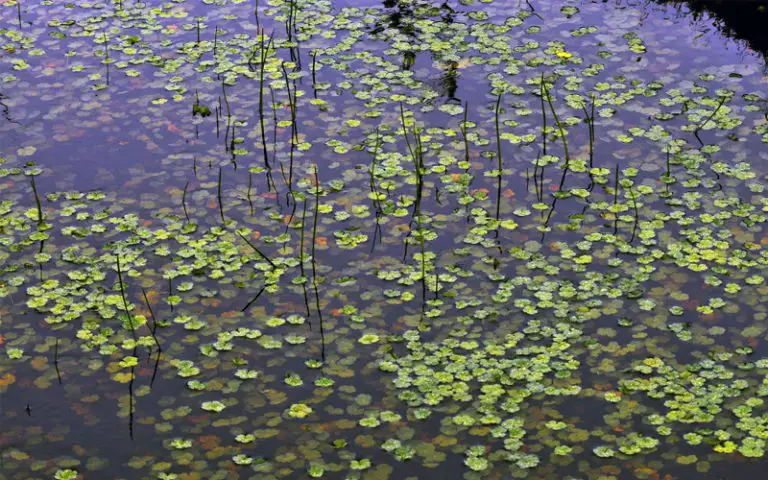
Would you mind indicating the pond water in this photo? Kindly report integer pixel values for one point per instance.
(342, 239)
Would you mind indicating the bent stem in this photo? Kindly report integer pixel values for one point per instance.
(562, 136)
(153, 330)
(701, 125)
(255, 249)
(125, 302)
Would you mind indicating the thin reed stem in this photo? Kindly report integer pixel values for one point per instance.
(125, 302)
(184, 200)
(218, 195)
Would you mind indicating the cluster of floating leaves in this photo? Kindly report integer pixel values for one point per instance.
(425, 284)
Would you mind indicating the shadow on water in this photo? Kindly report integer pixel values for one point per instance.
(741, 20)
(402, 17)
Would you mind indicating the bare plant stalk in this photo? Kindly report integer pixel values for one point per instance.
(250, 186)
(215, 40)
(372, 172)
(314, 80)
(255, 249)
(637, 214)
(218, 195)
(170, 292)
(229, 113)
(56, 359)
(37, 201)
(256, 297)
(184, 200)
(591, 125)
(405, 132)
(152, 330)
(264, 55)
(701, 125)
(616, 200)
(423, 269)
(464, 132)
(314, 265)
(562, 136)
(125, 302)
(294, 128)
(301, 240)
(301, 255)
(218, 115)
(536, 185)
(499, 158)
(418, 166)
(543, 117)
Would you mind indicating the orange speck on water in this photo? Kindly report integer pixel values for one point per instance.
(7, 379)
(209, 441)
(508, 193)
(691, 304)
(322, 241)
(601, 387)
(153, 295)
(646, 472)
(211, 203)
